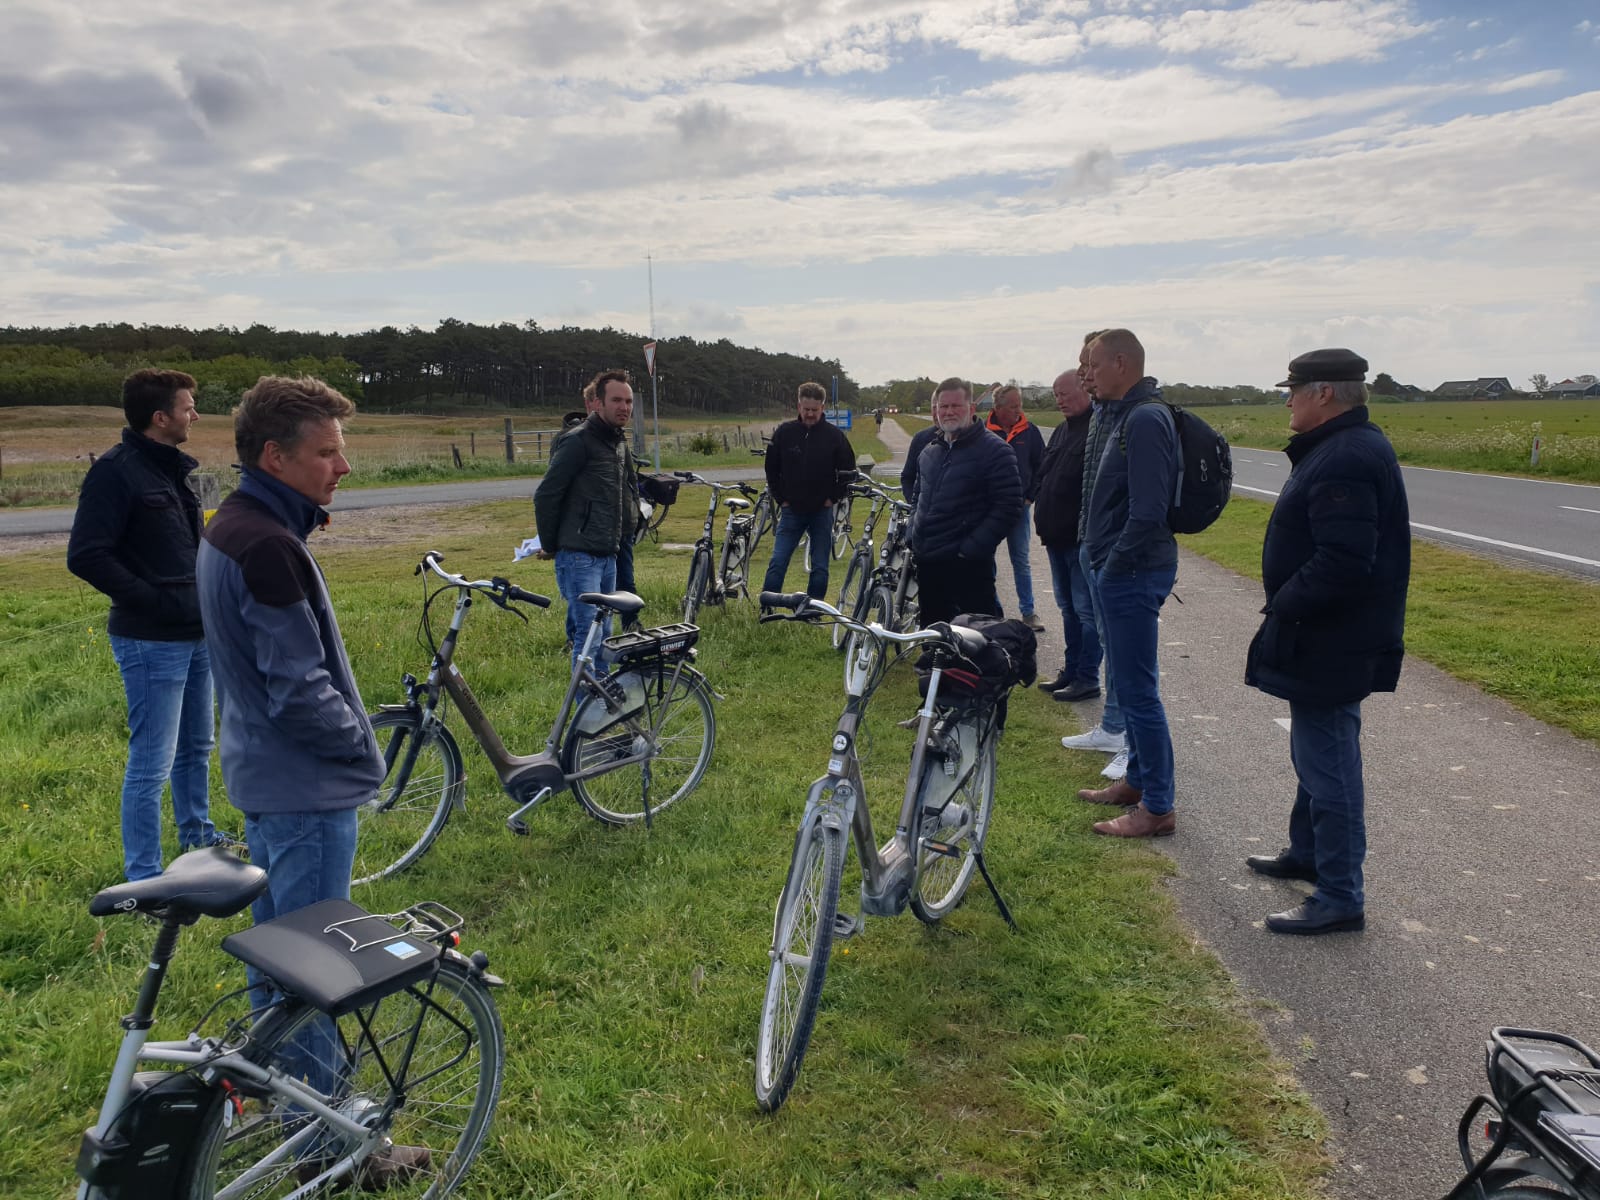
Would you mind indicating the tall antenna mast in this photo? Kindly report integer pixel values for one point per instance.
(650, 272)
(655, 396)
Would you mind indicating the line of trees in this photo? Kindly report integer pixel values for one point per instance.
(916, 394)
(456, 363)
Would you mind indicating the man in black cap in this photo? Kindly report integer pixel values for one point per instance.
(1335, 563)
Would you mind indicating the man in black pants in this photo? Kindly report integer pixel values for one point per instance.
(1055, 516)
(968, 497)
(804, 463)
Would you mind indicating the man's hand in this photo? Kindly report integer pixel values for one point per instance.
(543, 554)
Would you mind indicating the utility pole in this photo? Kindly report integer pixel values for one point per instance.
(655, 402)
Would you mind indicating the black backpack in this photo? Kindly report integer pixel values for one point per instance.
(1205, 471)
(1009, 658)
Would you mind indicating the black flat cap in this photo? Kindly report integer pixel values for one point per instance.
(1326, 366)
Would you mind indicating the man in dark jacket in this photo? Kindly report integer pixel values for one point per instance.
(1010, 424)
(968, 497)
(134, 537)
(803, 465)
(1336, 562)
(1055, 516)
(1134, 558)
(588, 503)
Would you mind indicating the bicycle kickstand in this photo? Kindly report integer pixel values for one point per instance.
(983, 869)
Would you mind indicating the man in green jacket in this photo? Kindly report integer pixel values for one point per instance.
(586, 505)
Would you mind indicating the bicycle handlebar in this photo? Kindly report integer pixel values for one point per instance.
(737, 485)
(965, 642)
(501, 589)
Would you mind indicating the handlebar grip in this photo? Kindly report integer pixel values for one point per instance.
(789, 600)
(429, 556)
(684, 474)
(533, 598)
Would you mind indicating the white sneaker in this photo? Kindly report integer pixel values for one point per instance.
(1117, 767)
(1097, 739)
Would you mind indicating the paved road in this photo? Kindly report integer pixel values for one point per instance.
(1540, 523)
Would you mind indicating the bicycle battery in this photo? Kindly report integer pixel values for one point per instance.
(335, 955)
(147, 1148)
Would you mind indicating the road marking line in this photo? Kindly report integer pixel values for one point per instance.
(1244, 487)
(1282, 721)
(1575, 508)
(1488, 541)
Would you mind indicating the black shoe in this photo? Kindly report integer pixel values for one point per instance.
(1281, 866)
(1086, 689)
(1059, 682)
(1313, 917)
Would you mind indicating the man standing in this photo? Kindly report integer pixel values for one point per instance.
(587, 504)
(1134, 558)
(1055, 517)
(1335, 563)
(625, 581)
(134, 537)
(1011, 425)
(803, 465)
(298, 753)
(968, 497)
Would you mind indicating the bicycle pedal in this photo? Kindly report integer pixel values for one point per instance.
(846, 926)
(944, 848)
(517, 826)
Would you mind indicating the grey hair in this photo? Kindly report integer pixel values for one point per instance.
(1347, 393)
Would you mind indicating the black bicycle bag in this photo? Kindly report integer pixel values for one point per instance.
(659, 489)
(148, 1147)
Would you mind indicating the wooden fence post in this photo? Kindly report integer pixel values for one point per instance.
(472, 443)
(455, 453)
(511, 446)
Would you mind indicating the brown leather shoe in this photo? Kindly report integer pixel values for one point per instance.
(391, 1166)
(1121, 792)
(1138, 822)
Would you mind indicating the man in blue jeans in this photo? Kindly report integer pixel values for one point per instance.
(134, 537)
(1134, 558)
(1010, 424)
(1336, 565)
(587, 504)
(1057, 507)
(804, 461)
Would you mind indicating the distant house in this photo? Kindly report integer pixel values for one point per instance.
(1583, 385)
(1487, 388)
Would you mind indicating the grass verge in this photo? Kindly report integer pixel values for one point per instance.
(1096, 1053)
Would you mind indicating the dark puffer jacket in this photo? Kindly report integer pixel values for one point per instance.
(969, 496)
(134, 537)
(1336, 563)
(803, 464)
(588, 491)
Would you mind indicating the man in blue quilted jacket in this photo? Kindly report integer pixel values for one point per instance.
(968, 497)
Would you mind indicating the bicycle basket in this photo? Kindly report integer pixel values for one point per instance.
(659, 489)
(664, 641)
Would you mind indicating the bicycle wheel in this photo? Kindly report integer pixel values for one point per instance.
(863, 655)
(841, 528)
(684, 732)
(423, 783)
(761, 521)
(962, 824)
(444, 1101)
(699, 581)
(803, 938)
(854, 578)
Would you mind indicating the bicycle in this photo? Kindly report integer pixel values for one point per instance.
(928, 863)
(764, 516)
(628, 745)
(1544, 1094)
(861, 559)
(889, 597)
(731, 577)
(377, 1060)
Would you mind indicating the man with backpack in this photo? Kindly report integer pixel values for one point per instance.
(1134, 560)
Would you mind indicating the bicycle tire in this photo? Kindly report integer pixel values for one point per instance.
(735, 567)
(841, 540)
(863, 655)
(942, 881)
(699, 581)
(686, 733)
(395, 828)
(1544, 1190)
(445, 1101)
(794, 980)
(855, 577)
(761, 522)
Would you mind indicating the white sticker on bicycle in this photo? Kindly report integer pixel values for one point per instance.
(402, 949)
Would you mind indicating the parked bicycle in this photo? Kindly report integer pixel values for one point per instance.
(1543, 1122)
(764, 516)
(927, 864)
(376, 1063)
(889, 597)
(731, 578)
(859, 569)
(627, 744)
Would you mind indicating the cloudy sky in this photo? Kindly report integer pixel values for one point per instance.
(926, 187)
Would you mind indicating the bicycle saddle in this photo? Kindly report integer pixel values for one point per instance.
(625, 603)
(209, 882)
(736, 504)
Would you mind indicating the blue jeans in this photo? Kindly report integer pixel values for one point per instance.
(791, 527)
(1111, 715)
(576, 573)
(1017, 546)
(1131, 607)
(171, 729)
(308, 857)
(1071, 584)
(1328, 824)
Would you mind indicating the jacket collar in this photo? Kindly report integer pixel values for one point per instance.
(965, 434)
(1301, 444)
(1015, 431)
(1146, 389)
(169, 458)
(288, 505)
(600, 428)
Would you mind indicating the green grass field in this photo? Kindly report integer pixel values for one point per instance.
(1095, 1053)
